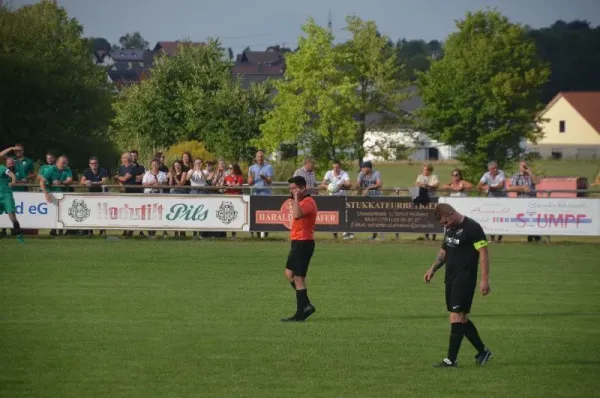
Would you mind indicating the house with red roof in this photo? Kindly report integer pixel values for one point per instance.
(571, 127)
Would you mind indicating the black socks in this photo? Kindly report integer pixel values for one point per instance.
(472, 335)
(457, 331)
(301, 300)
(16, 227)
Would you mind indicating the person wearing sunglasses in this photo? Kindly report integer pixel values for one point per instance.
(94, 177)
(458, 186)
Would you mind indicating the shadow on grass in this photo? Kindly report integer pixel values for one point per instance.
(376, 317)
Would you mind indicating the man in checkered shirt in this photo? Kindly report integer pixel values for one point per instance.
(308, 172)
(523, 183)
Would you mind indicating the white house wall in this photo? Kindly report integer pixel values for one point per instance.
(421, 143)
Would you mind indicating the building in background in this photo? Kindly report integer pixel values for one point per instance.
(403, 142)
(572, 127)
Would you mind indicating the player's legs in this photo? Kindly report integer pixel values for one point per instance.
(297, 267)
(289, 276)
(8, 206)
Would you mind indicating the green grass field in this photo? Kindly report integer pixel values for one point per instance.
(170, 318)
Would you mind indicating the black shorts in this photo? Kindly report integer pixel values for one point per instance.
(460, 291)
(299, 258)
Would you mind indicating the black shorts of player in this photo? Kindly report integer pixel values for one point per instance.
(299, 258)
(460, 291)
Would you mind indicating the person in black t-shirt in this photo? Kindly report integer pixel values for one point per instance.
(94, 178)
(464, 247)
(126, 176)
(138, 170)
(162, 159)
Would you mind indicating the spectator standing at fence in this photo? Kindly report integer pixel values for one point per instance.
(152, 179)
(369, 183)
(178, 180)
(457, 186)
(24, 165)
(260, 178)
(341, 180)
(197, 178)
(304, 218)
(308, 172)
(494, 184)
(138, 169)
(218, 177)
(50, 161)
(523, 183)
(429, 182)
(126, 176)
(187, 162)
(94, 177)
(162, 161)
(234, 179)
(56, 178)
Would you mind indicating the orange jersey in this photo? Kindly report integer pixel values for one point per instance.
(304, 228)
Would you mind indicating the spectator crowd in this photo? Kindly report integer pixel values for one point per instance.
(198, 176)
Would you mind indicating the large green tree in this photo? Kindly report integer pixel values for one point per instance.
(314, 104)
(133, 40)
(370, 62)
(332, 95)
(52, 96)
(573, 51)
(483, 96)
(191, 97)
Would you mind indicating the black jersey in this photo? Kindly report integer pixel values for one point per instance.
(462, 244)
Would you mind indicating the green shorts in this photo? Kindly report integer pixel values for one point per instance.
(7, 203)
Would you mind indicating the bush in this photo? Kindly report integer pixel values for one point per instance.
(196, 148)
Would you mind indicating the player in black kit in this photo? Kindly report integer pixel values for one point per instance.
(464, 244)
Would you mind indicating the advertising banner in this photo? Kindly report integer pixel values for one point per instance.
(154, 212)
(274, 213)
(390, 214)
(532, 216)
(32, 211)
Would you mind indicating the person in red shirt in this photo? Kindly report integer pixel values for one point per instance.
(302, 235)
(234, 179)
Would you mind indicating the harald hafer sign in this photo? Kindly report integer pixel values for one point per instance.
(274, 213)
(173, 212)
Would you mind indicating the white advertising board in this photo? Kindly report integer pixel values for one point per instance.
(32, 211)
(154, 211)
(532, 216)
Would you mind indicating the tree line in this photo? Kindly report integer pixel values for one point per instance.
(482, 89)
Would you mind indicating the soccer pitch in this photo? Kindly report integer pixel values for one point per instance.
(201, 318)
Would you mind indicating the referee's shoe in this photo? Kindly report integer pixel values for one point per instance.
(308, 311)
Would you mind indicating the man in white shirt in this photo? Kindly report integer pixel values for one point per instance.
(341, 179)
(494, 184)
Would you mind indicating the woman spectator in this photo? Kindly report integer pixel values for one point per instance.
(178, 179)
(197, 179)
(217, 179)
(458, 186)
(233, 179)
(151, 179)
(188, 163)
(429, 182)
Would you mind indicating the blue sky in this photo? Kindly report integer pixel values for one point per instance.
(260, 23)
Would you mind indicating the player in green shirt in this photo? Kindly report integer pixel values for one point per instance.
(56, 178)
(50, 161)
(7, 200)
(24, 164)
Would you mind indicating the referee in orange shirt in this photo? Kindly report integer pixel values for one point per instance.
(304, 212)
